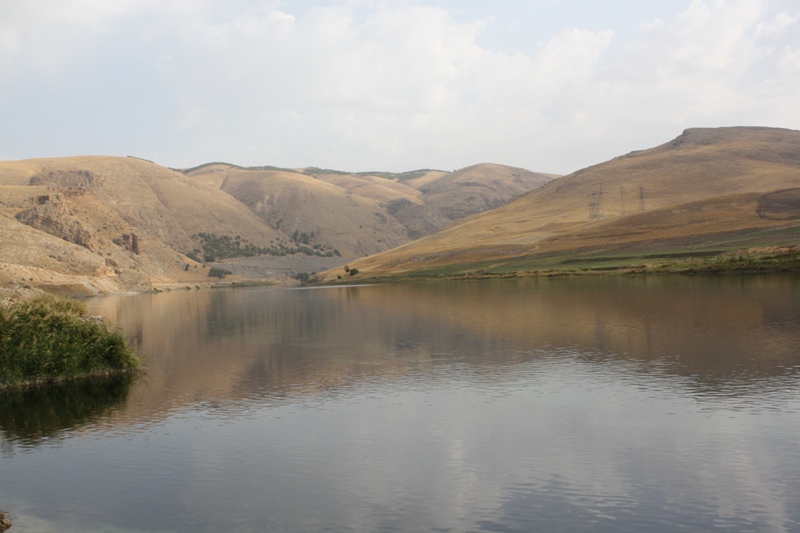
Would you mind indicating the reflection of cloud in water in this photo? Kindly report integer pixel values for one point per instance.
(584, 403)
(569, 448)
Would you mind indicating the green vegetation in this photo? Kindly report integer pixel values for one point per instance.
(50, 339)
(140, 159)
(204, 165)
(677, 261)
(316, 171)
(310, 171)
(216, 272)
(303, 277)
(215, 247)
(399, 176)
(224, 246)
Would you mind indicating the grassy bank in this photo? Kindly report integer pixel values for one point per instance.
(51, 339)
(717, 261)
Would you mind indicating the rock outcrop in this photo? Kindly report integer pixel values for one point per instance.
(51, 215)
(129, 241)
(71, 182)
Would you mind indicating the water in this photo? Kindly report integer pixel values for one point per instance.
(606, 404)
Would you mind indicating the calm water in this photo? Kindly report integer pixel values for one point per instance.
(617, 404)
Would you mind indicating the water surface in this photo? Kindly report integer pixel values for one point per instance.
(605, 404)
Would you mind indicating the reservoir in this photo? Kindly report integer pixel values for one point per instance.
(597, 404)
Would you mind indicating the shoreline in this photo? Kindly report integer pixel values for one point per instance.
(24, 291)
(35, 383)
(785, 260)
(774, 260)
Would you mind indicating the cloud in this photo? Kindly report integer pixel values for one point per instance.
(361, 85)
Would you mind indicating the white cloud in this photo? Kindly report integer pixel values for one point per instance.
(395, 85)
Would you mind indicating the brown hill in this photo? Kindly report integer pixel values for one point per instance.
(709, 189)
(109, 223)
(479, 188)
(365, 213)
(355, 223)
(105, 224)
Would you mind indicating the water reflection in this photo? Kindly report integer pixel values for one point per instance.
(34, 415)
(610, 404)
(714, 336)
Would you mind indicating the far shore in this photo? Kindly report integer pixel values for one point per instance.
(773, 260)
(767, 261)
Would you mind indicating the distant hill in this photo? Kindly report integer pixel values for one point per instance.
(106, 224)
(365, 213)
(703, 193)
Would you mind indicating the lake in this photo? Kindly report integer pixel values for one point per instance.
(605, 404)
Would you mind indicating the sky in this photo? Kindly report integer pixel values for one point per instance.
(358, 85)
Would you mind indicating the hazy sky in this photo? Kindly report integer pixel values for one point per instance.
(549, 85)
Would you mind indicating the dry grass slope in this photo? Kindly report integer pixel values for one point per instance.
(43, 201)
(707, 188)
(95, 224)
(366, 213)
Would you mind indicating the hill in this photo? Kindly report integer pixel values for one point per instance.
(704, 193)
(107, 224)
(365, 213)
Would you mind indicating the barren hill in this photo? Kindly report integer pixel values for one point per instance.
(106, 224)
(368, 212)
(707, 190)
(109, 223)
(479, 188)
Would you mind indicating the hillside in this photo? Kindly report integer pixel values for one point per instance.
(365, 213)
(107, 224)
(706, 192)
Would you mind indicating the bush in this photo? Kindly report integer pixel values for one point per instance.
(353, 271)
(303, 277)
(50, 338)
(216, 272)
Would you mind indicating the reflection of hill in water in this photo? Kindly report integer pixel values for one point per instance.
(32, 415)
(710, 335)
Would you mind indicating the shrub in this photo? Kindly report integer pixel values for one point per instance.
(353, 271)
(50, 338)
(303, 277)
(217, 272)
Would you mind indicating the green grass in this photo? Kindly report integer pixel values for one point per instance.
(679, 262)
(50, 339)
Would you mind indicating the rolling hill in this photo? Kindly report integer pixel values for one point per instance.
(706, 192)
(89, 224)
(365, 213)
(106, 224)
